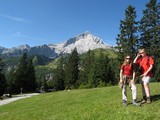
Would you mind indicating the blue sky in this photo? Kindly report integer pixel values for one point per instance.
(37, 22)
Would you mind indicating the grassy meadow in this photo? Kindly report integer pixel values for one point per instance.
(84, 104)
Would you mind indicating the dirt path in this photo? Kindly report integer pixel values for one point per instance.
(6, 101)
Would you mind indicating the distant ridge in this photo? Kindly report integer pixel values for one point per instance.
(83, 42)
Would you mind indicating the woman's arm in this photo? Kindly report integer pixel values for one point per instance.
(121, 75)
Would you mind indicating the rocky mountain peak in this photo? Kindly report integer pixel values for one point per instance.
(83, 42)
(85, 37)
(2, 47)
(22, 47)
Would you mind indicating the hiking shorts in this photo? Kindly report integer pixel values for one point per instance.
(146, 80)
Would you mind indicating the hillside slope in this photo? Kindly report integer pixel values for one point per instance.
(110, 53)
(86, 104)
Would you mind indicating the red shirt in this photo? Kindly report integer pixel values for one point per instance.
(145, 63)
(127, 69)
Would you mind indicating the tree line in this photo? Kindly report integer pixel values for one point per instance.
(73, 72)
(19, 79)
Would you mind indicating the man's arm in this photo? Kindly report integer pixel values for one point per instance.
(134, 61)
(149, 69)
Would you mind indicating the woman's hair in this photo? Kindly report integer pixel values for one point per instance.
(125, 60)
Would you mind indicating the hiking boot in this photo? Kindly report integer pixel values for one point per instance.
(125, 103)
(143, 101)
(135, 103)
(148, 100)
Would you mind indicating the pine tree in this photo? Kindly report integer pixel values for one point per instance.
(86, 65)
(157, 71)
(72, 70)
(21, 74)
(127, 39)
(150, 28)
(99, 75)
(11, 84)
(24, 76)
(2, 78)
(113, 71)
(31, 78)
(59, 75)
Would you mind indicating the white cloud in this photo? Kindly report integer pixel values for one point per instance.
(20, 35)
(17, 33)
(15, 18)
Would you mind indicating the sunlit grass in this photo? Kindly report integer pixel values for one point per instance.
(86, 104)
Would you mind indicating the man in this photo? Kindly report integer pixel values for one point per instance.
(145, 63)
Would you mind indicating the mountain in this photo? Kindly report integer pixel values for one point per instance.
(1, 49)
(15, 51)
(83, 42)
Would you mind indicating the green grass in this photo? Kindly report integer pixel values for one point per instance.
(109, 52)
(89, 104)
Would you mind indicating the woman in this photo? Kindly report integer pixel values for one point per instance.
(127, 75)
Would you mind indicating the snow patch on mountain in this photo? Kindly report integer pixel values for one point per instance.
(83, 42)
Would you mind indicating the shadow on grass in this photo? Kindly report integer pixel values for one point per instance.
(155, 97)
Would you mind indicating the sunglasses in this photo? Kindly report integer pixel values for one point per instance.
(142, 52)
(128, 58)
